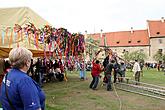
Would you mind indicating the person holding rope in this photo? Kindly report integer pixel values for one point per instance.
(122, 71)
(136, 69)
(108, 59)
(108, 74)
(95, 72)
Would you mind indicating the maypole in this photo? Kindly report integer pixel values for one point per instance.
(85, 37)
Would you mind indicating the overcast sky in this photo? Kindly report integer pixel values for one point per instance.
(94, 15)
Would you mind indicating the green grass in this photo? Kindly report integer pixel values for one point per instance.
(75, 95)
(151, 76)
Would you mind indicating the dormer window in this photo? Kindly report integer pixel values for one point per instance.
(138, 41)
(158, 33)
(118, 42)
(129, 41)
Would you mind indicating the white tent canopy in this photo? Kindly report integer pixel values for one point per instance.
(23, 15)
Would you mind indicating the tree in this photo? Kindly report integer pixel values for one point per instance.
(91, 46)
(159, 56)
(136, 55)
(164, 58)
(126, 56)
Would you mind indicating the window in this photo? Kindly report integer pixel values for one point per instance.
(138, 41)
(129, 41)
(117, 42)
(160, 41)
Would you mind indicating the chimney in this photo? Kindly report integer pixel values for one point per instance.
(101, 33)
(162, 19)
(86, 35)
(131, 29)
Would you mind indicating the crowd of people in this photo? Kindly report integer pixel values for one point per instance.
(23, 77)
(160, 65)
(44, 70)
(114, 67)
(110, 66)
(41, 70)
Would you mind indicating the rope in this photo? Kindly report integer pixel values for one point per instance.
(55, 90)
(117, 96)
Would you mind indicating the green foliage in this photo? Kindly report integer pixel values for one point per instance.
(159, 56)
(164, 58)
(92, 46)
(126, 56)
(139, 55)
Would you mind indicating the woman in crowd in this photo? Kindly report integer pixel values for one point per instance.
(81, 67)
(18, 90)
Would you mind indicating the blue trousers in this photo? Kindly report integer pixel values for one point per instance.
(109, 83)
(82, 74)
(94, 82)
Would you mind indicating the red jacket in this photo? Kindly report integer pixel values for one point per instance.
(96, 69)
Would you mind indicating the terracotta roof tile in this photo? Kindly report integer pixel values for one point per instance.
(124, 38)
(156, 28)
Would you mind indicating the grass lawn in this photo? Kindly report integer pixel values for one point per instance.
(76, 95)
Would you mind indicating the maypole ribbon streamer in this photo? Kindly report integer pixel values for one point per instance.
(62, 42)
(15, 37)
(26, 38)
(6, 34)
(21, 35)
(11, 38)
(36, 40)
(29, 39)
(18, 38)
(3, 37)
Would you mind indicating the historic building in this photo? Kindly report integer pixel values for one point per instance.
(149, 40)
